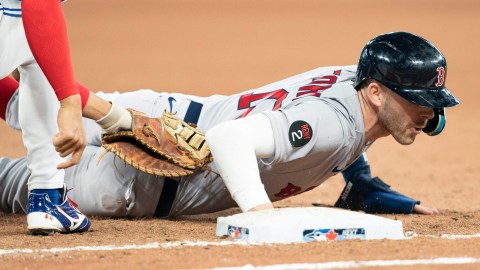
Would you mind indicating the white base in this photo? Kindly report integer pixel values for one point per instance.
(287, 225)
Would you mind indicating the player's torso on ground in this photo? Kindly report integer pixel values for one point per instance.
(309, 148)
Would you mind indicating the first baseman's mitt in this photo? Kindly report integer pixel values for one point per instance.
(165, 146)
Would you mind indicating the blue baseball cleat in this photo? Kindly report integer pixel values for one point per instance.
(45, 217)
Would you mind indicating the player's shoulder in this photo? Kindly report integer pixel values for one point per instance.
(340, 90)
(340, 102)
(343, 68)
(344, 73)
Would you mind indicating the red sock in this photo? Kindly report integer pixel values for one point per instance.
(8, 86)
(46, 32)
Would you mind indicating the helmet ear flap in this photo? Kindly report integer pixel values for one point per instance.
(436, 125)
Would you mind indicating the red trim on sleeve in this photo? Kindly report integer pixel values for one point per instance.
(46, 32)
(84, 94)
(8, 86)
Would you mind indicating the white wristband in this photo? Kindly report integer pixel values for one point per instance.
(117, 118)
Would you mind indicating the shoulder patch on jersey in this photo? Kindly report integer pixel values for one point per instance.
(300, 133)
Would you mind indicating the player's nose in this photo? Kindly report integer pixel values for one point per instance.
(427, 113)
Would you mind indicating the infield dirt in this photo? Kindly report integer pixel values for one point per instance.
(223, 47)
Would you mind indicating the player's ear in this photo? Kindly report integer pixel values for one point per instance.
(376, 94)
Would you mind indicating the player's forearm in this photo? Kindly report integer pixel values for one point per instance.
(96, 108)
(235, 146)
(46, 32)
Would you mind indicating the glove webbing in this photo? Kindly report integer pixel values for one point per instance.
(192, 138)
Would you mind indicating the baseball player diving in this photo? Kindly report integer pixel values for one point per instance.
(268, 143)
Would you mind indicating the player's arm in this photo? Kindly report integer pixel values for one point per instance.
(371, 195)
(235, 146)
(46, 32)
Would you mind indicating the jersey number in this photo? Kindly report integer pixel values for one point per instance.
(246, 101)
(291, 190)
(315, 88)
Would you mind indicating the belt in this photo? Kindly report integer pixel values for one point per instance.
(170, 186)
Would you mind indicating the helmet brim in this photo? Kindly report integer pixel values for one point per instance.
(433, 98)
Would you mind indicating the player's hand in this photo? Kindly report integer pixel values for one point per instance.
(420, 209)
(71, 136)
(261, 207)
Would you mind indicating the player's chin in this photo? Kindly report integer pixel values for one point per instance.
(406, 138)
(406, 142)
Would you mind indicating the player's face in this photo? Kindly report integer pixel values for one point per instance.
(403, 119)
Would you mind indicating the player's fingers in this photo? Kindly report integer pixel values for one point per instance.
(261, 207)
(63, 146)
(65, 165)
(417, 209)
(66, 145)
(59, 139)
(66, 149)
(62, 140)
(423, 210)
(75, 149)
(62, 137)
(74, 160)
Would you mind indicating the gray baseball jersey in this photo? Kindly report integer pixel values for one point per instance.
(318, 130)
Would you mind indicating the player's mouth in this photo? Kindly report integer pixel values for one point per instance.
(418, 129)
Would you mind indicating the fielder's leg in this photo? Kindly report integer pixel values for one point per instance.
(122, 191)
(102, 185)
(48, 208)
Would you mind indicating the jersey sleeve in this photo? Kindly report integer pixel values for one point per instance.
(46, 32)
(312, 129)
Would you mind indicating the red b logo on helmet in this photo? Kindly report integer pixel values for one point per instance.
(440, 76)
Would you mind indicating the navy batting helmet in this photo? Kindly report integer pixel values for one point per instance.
(408, 65)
